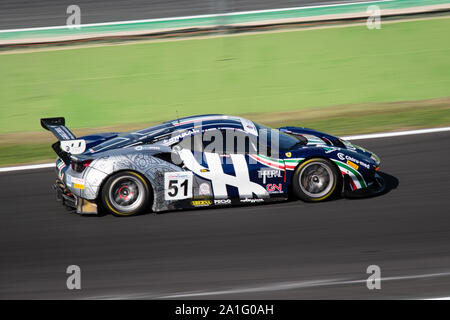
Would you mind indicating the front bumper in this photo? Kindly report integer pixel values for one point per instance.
(378, 186)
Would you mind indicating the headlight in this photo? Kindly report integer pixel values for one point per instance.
(375, 158)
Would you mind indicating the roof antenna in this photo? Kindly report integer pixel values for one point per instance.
(178, 117)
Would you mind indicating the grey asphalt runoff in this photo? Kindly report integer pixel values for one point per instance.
(289, 250)
(28, 13)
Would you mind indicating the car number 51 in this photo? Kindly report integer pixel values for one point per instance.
(177, 185)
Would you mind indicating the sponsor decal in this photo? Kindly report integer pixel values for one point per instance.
(204, 170)
(73, 146)
(180, 136)
(274, 188)
(61, 132)
(177, 185)
(252, 200)
(330, 149)
(140, 148)
(288, 154)
(268, 174)
(222, 201)
(77, 183)
(344, 157)
(201, 203)
(204, 189)
(353, 165)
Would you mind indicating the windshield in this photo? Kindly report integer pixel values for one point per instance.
(285, 141)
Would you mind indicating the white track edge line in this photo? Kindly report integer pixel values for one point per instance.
(395, 134)
(355, 137)
(189, 17)
(296, 285)
(28, 167)
(277, 286)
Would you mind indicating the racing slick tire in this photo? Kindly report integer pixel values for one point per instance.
(126, 193)
(316, 180)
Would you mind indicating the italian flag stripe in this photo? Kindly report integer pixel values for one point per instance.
(291, 164)
(269, 162)
(270, 159)
(352, 173)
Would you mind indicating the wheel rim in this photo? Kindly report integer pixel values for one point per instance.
(126, 193)
(316, 179)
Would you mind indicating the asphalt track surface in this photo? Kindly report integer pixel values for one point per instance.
(290, 250)
(31, 13)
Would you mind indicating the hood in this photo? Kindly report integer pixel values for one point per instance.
(317, 139)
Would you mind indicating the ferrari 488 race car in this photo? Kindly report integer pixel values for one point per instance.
(206, 161)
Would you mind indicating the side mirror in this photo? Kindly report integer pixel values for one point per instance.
(175, 156)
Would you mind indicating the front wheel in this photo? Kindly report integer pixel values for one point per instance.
(315, 180)
(125, 194)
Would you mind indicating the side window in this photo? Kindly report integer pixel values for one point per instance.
(214, 141)
(240, 142)
(225, 141)
(265, 143)
(193, 143)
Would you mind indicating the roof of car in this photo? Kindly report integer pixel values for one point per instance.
(179, 126)
(204, 119)
(210, 121)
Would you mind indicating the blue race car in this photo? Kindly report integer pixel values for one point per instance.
(206, 161)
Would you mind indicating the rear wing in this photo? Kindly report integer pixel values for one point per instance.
(58, 127)
(68, 143)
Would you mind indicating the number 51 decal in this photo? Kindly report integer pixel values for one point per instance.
(177, 185)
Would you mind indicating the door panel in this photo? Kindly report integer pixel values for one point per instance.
(234, 169)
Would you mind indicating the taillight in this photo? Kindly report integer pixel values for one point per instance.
(79, 166)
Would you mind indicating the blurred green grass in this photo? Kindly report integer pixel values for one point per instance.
(26, 153)
(135, 83)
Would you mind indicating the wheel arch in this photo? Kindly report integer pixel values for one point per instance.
(141, 174)
(316, 156)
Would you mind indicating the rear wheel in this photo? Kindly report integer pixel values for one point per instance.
(316, 180)
(126, 194)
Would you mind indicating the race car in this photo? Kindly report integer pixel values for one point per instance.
(202, 161)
